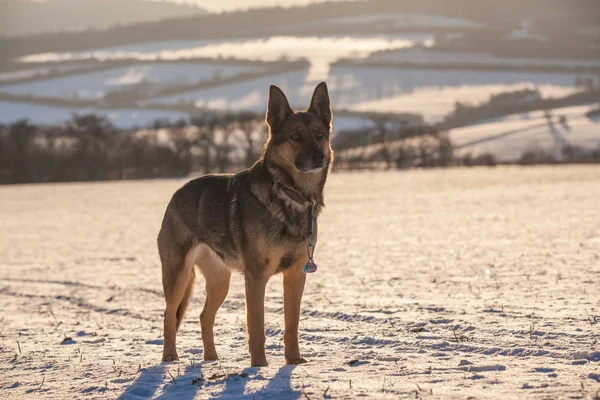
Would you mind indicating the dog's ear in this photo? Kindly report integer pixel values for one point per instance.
(278, 108)
(320, 105)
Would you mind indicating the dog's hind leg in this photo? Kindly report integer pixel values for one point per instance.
(217, 277)
(178, 282)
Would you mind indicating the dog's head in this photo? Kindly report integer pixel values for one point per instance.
(299, 140)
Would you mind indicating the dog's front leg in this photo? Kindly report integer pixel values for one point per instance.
(293, 287)
(255, 318)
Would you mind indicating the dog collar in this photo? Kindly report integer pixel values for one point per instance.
(310, 265)
(294, 195)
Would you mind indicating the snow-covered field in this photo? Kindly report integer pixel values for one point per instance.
(129, 118)
(507, 138)
(418, 55)
(430, 92)
(458, 283)
(95, 85)
(433, 93)
(232, 5)
(250, 95)
(407, 20)
(320, 50)
(40, 71)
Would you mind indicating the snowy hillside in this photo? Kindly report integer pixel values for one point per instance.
(95, 85)
(507, 138)
(424, 56)
(432, 93)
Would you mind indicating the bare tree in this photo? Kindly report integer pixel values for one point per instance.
(4, 155)
(381, 128)
(21, 134)
(254, 133)
(92, 133)
(208, 126)
(227, 129)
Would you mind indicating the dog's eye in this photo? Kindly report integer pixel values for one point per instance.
(320, 135)
(296, 137)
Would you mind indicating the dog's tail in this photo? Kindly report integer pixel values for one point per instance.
(186, 298)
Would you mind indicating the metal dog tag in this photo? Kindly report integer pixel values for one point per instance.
(310, 267)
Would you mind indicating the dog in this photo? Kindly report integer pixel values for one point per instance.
(255, 222)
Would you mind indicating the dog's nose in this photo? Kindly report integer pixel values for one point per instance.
(317, 153)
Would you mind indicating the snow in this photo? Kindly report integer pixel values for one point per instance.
(263, 48)
(127, 118)
(350, 122)
(432, 284)
(247, 95)
(432, 93)
(508, 138)
(122, 118)
(95, 85)
(321, 51)
(525, 33)
(218, 6)
(31, 72)
(404, 20)
(420, 55)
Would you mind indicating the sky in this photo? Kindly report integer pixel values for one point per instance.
(228, 5)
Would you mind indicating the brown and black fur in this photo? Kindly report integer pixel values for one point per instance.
(255, 222)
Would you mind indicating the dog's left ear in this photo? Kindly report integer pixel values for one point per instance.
(320, 105)
(278, 108)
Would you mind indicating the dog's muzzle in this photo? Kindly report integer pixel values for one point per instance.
(315, 163)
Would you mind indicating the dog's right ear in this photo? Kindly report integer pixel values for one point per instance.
(278, 108)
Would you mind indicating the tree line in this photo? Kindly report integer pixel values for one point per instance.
(90, 148)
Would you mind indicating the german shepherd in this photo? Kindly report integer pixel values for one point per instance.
(255, 222)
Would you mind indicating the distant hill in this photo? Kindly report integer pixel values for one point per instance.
(569, 26)
(26, 17)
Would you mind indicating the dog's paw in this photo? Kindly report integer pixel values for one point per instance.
(259, 363)
(296, 361)
(210, 357)
(170, 357)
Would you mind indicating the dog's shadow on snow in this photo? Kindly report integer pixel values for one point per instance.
(151, 379)
(156, 383)
(278, 387)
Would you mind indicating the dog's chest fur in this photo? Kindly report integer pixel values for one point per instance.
(282, 240)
